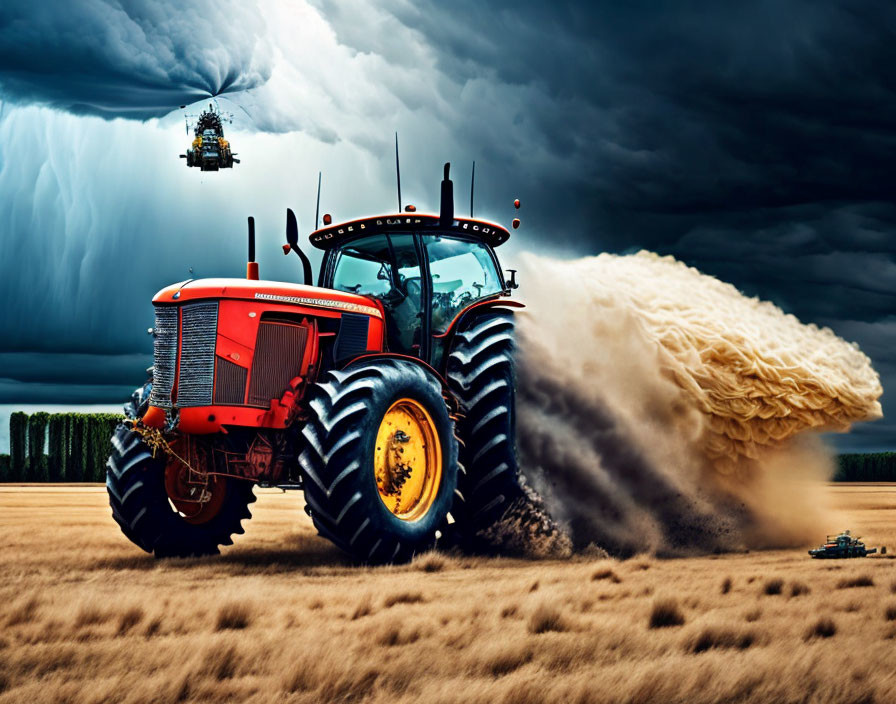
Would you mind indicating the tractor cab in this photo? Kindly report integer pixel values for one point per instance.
(425, 270)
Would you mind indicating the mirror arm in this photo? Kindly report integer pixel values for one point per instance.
(306, 263)
(292, 239)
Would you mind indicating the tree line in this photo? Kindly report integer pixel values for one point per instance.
(58, 447)
(866, 467)
(74, 447)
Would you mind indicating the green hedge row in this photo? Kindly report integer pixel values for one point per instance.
(866, 467)
(58, 447)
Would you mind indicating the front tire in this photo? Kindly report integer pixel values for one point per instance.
(140, 503)
(380, 459)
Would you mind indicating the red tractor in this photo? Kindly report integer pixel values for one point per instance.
(385, 393)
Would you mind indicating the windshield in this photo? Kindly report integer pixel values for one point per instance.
(462, 271)
(386, 267)
(377, 266)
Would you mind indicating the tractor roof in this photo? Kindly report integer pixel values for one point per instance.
(334, 235)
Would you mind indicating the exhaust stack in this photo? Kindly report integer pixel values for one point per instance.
(252, 265)
(446, 209)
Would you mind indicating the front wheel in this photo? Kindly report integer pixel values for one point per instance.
(159, 507)
(380, 459)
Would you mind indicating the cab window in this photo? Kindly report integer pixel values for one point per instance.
(386, 267)
(364, 267)
(462, 272)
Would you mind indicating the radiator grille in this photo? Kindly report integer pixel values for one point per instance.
(279, 349)
(352, 338)
(230, 383)
(164, 356)
(199, 326)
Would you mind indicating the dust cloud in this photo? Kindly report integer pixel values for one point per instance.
(661, 410)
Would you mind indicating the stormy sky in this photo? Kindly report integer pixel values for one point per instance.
(752, 141)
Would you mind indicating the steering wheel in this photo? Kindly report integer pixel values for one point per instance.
(405, 287)
(412, 287)
(463, 299)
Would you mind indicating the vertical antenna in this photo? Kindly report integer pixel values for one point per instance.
(317, 209)
(472, 183)
(397, 172)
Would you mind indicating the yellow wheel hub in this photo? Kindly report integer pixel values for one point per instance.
(407, 460)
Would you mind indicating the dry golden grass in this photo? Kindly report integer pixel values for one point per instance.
(665, 614)
(281, 616)
(862, 580)
(773, 586)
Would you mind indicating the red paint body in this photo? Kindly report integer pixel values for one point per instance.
(239, 315)
(255, 349)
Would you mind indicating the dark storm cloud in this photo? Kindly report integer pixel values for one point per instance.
(756, 142)
(129, 58)
(17, 392)
(63, 368)
(669, 115)
(753, 141)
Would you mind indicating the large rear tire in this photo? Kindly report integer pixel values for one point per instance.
(140, 502)
(480, 373)
(380, 459)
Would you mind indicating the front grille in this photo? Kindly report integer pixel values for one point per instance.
(197, 354)
(164, 356)
(230, 383)
(199, 322)
(279, 349)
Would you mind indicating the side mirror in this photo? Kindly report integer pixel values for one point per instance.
(292, 239)
(511, 283)
(292, 229)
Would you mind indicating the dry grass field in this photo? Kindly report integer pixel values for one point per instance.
(87, 617)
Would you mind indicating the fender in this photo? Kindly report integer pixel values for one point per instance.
(490, 303)
(396, 355)
(453, 405)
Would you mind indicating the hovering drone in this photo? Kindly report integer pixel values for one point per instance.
(209, 150)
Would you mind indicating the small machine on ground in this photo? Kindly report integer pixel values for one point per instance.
(385, 393)
(841, 546)
(209, 150)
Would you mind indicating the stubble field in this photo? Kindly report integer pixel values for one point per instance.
(281, 616)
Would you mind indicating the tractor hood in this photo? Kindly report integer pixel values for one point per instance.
(270, 292)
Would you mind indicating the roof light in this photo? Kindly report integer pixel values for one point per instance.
(410, 208)
(515, 223)
(328, 219)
